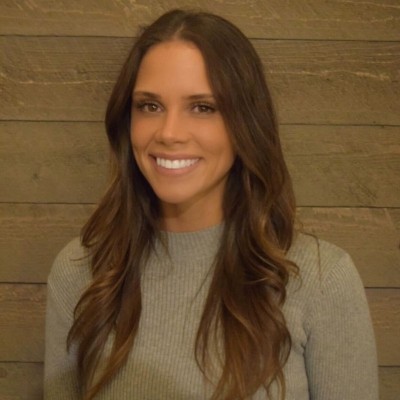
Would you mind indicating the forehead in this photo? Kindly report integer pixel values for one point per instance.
(174, 65)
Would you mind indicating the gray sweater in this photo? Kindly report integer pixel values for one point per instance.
(333, 354)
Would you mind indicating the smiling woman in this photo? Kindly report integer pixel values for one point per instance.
(189, 280)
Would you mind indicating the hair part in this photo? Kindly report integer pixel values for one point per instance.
(248, 287)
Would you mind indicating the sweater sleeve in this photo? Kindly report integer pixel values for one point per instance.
(340, 354)
(65, 284)
(60, 380)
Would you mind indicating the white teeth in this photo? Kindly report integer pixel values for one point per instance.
(175, 164)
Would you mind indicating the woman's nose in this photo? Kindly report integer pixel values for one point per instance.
(171, 128)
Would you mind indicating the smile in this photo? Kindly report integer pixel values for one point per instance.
(175, 164)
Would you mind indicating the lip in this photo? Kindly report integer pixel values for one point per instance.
(174, 156)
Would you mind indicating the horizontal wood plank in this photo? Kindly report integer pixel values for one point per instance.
(331, 165)
(389, 383)
(395, 216)
(23, 381)
(32, 234)
(22, 310)
(385, 312)
(334, 82)
(344, 165)
(52, 162)
(59, 78)
(291, 19)
(15, 299)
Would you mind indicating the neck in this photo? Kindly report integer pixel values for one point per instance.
(178, 219)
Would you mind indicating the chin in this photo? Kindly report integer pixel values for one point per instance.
(173, 200)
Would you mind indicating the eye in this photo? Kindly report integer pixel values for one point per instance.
(147, 106)
(204, 108)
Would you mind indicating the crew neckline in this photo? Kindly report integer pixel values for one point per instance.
(193, 244)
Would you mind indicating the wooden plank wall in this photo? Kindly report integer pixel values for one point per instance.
(334, 69)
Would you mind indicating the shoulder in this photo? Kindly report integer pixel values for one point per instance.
(327, 275)
(69, 276)
(328, 282)
(71, 264)
(321, 262)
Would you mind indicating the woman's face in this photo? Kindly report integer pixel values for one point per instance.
(179, 138)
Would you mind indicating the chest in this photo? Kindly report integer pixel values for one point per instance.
(162, 364)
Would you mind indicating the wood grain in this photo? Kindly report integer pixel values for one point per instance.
(16, 299)
(23, 381)
(22, 310)
(395, 216)
(385, 312)
(291, 19)
(344, 165)
(52, 162)
(389, 383)
(65, 162)
(317, 82)
(31, 235)
(334, 82)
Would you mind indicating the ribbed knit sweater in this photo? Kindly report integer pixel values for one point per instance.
(333, 353)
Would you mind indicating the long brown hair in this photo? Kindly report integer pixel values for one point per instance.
(248, 287)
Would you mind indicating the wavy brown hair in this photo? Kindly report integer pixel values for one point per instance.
(248, 287)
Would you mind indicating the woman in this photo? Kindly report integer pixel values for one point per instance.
(189, 281)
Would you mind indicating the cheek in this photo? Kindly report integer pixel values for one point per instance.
(138, 135)
(228, 154)
(220, 144)
(143, 131)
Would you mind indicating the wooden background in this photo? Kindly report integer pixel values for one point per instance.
(334, 69)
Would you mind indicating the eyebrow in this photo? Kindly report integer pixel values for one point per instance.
(155, 96)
